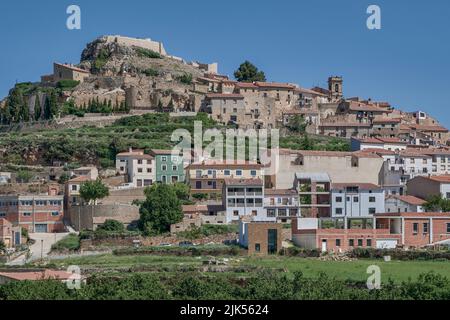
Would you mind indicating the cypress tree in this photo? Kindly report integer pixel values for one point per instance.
(37, 109)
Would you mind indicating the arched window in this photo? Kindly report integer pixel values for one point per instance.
(336, 87)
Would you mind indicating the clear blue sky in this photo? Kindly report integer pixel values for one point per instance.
(407, 62)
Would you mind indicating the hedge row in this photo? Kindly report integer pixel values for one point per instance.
(398, 254)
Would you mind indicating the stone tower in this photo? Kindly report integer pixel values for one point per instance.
(335, 88)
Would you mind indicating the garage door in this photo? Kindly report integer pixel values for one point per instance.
(40, 228)
(386, 244)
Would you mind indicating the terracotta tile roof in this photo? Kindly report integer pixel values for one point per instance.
(244, 182)
(323, 91)
(413, 153)
(39, 275)
(345, 124)
(161, 151)
(442, 178)
(274, 85)
(71, 67)
(379, 151)
(426, 128)
(370, 140)
(410, 200)
(246, 85)
(224, 96)
(224, 165)
(309, 91)
(362, 186)
(392, 140)
(358, 106)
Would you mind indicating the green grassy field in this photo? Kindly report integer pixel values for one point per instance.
(355, 270)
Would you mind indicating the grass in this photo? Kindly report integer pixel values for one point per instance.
(111, 261)
(70, 243)
(354, 270)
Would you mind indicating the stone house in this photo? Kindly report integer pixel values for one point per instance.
(69, 72)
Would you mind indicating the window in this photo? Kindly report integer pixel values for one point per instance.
(226, 172)
(360, 242)
(2, 214)
(164, 158)
(149, 170)
(338, 199)
(415, 228)
(253, 173)
(447, 195)
(369, 242)
(139, 161)
(338, 242)
(27, 214)
(371, 199)
(239, 172)
(198, 184)
(355, 199)
(164, 167)
(425, 227)
(351, 242)
(372, 210)
(257, 247)
(448, 227)
(271, 213)
(74, 187)
(139, 170)
(174, 168)
(55, 213)
(235, 213)
(338, 211)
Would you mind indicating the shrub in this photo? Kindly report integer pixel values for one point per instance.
(147, 53)
(398, 254)
(67, 84)
(207, 230)
(112, 225)
(151, 72)
(185, 78)
(300, 252)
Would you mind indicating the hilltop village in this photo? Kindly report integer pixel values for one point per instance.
(389, 190)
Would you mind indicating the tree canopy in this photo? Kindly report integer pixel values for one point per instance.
(161, 208)
(91, 191)
(248, 72)
(437, 204)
